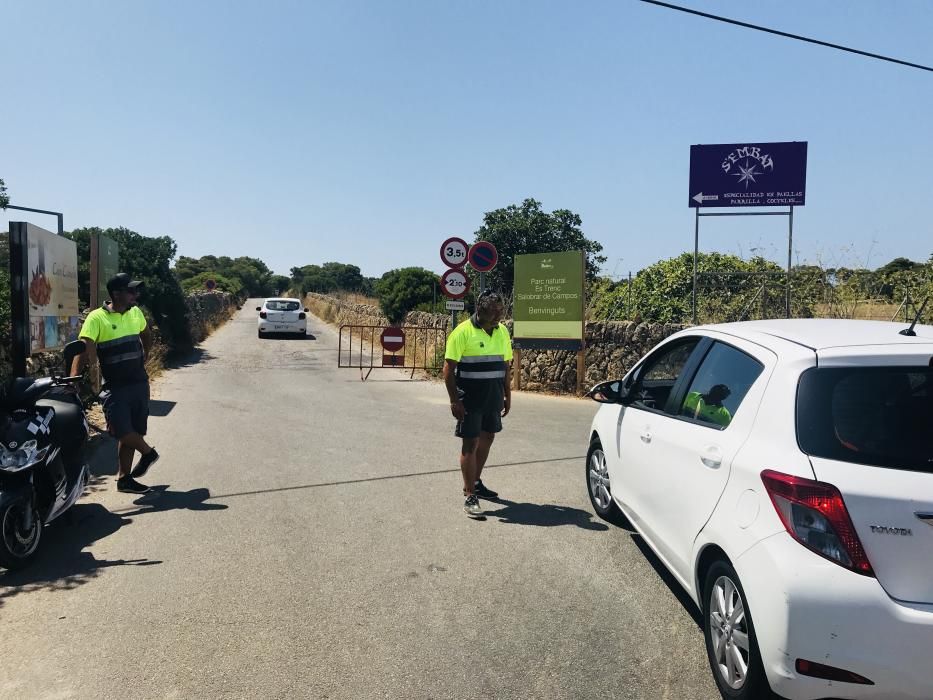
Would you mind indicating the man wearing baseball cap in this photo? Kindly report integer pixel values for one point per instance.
(117, 336)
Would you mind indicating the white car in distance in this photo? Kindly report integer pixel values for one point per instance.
(783, 472)
(282, 316)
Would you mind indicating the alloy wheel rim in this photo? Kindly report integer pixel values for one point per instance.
(729, 632)
(599, 479)
(18, 543)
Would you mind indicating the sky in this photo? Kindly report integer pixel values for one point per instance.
(369, 132)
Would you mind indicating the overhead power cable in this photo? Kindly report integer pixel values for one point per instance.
(788, 35)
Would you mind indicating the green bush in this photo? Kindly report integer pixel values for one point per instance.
(403, 290)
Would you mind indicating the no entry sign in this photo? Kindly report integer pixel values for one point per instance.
(483, 256)
(454, 252)
(392, 339)
(455, 284)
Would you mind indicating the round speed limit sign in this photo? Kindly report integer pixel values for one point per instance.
(454, 252)
(455, 284)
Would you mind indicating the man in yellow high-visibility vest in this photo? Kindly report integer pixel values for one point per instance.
(476, 374)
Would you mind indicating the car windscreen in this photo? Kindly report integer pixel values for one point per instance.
(881, 416)
(283, 305)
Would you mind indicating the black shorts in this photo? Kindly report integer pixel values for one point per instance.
(477, 421)
(126, 409)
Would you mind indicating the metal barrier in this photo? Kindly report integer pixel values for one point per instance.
(418, 347)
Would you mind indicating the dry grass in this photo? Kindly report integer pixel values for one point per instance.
(864, 310)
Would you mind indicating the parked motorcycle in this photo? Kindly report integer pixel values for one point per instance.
(43, 432)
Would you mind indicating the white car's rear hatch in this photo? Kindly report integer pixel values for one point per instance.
(865, 417)
(282, 311)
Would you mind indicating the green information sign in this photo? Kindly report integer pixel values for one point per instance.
(548, 300)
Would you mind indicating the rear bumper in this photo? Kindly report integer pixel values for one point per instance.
(806, 607)
(296, 327)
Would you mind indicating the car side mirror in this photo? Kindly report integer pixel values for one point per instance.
(307, 309)
(258, 308)
(610, 392)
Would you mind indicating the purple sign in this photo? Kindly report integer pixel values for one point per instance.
(748, 174)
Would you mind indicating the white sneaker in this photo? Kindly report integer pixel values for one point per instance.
(471, 506)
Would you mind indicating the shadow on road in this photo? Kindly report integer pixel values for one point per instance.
(187, 358)
(683, 598)
(542, 515)
(60, 563)
(159, 408)
(161, 499)
(455, 470)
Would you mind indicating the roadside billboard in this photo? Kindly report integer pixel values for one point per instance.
(548, 301)
(748, 174)
(52, 289)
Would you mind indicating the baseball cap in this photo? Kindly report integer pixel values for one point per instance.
(122, 281)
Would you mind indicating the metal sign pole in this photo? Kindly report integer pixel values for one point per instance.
(790, 252)
(696, 255)
(19, 296)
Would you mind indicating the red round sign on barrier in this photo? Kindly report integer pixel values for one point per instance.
(392, 339)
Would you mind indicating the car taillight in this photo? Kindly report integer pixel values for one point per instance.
(301, 317)
(815, 515)
(262, 314)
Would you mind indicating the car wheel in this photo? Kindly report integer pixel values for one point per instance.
(261, 334)
(597, 484)
(731, 644)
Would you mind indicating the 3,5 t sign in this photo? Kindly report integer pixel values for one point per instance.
(454, 252)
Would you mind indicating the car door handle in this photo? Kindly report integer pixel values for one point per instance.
(711, 457)
(645, 435)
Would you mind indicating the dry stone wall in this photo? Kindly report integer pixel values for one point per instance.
(612, 347)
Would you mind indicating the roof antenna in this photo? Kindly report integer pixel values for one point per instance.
(910, 331)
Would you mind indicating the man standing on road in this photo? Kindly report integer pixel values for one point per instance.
(476, 373)
(116, 334)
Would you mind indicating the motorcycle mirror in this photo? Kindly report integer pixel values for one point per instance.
(71, 351)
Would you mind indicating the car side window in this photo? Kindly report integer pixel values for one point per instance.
(655, 380)
(721, 383)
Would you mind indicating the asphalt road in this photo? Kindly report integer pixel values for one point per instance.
(308, 541)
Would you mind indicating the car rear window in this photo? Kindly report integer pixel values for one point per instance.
(283, 305)
(882, 416)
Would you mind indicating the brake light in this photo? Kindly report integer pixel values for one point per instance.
(262, 314)
(301, 317)
(815, 515)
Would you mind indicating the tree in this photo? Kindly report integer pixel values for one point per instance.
(403, 290)
(147, 259)
(280, 284)
(198, 283)
(4, 197)
(519, 230)
(326, 278)
(253, 275)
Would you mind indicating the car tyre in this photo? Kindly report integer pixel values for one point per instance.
(731, 643)
(261, 334)
(597, 485)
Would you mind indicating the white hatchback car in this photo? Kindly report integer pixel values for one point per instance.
(282, 316)
(783, 472)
